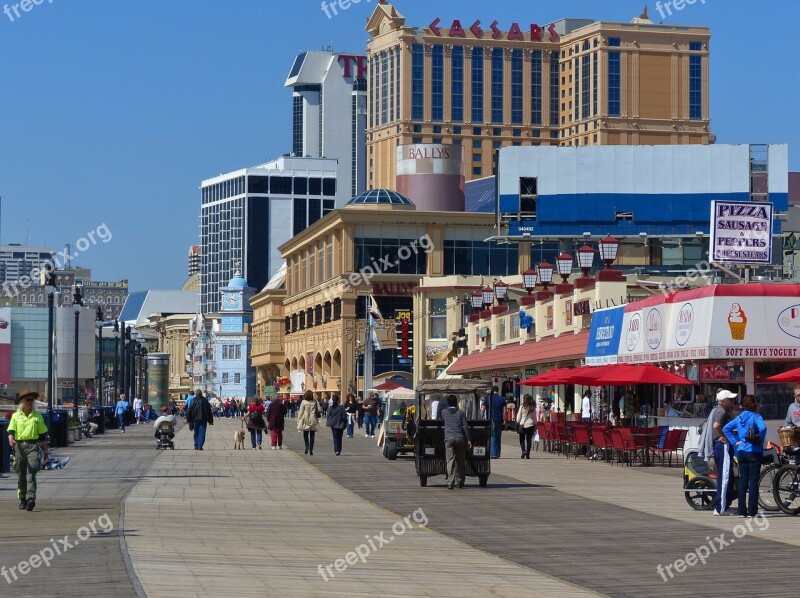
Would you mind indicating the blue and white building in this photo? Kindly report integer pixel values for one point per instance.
(235, 376)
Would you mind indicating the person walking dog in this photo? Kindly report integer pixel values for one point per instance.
(26, 433)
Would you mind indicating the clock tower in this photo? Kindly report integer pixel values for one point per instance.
(235, 376)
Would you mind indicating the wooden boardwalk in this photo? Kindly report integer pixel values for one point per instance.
(274, 523)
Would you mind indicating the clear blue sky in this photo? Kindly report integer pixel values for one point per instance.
(113, 112)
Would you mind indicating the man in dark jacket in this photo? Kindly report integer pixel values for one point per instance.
(456, 441)
(198, 416)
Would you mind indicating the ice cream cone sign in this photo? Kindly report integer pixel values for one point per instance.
(737, 320)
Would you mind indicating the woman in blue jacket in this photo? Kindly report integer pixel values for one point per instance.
(748, 454)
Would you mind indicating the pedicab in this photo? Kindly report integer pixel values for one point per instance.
(398, 427)
(429, 451)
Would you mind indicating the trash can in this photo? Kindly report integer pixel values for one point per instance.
(59, 428)
(5, 448)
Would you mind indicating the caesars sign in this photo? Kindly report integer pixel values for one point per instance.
(741, 232)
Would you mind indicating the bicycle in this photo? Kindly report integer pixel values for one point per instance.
(786, 484)
(699, 486)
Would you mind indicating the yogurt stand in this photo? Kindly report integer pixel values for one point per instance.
(731, 336)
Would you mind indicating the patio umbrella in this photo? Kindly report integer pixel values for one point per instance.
(547, 378)
(640, 374)
(588, 375)
(388, 386)
(790, 376)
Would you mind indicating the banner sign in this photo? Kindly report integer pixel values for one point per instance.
(604, 336)
(741, 232)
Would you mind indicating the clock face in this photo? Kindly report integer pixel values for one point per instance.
(232, 300)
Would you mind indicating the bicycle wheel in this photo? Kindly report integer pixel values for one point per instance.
(766, 498)
(786, 489)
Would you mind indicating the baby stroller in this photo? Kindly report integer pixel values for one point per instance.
(700, 482)
(164, 435)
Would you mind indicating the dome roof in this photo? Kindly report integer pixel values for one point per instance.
(380, 197)
(237, 282)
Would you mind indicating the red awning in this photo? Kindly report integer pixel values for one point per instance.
(567, 346)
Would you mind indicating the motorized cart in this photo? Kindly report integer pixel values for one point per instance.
(398, 427)
(429, 451)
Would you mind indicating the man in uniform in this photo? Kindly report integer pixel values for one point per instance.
(26, 431)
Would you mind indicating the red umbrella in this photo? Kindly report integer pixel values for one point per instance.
(790, 376)
(388, 386)
(547, 378)
(588, 375)
(640, 374)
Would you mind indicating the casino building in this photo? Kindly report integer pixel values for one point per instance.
(575, 82)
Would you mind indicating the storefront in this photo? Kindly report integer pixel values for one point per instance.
(719, 336)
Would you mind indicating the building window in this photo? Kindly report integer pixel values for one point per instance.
(384, 88)
(696, 46)
(476, 171)
(594, 84)
(297, 125)
(437, 82)
(417, 129)
(536, 87)
(614, 42)
(554, 87)
(417, 82)
(457, 84)
(614, 108)
(224, 377)
(516, 87)
(477, 86)
(337, 309)
(497, 85)
(585, 90)
(237, 378)
(287, 325)
(480, 258)
(391, 84)
(695, 87)
(438, 318)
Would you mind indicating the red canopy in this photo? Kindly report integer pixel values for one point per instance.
(790, 376)
(582, 375)
(640, 374)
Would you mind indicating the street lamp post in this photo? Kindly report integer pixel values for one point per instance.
(501, 294)
(49, 280)
(609, 246)
(77, 304)
(126, 354)
(99, 384)
(585, 260)
(116, 361)
(564, 268)
(529, 280)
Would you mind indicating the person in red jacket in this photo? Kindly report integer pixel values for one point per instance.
(256, 422)
(276, 416)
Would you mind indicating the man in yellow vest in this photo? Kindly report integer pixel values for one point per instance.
(26, 431)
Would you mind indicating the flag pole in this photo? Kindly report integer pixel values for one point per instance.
(368, 348)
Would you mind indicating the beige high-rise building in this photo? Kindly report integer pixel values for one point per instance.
(571, 83)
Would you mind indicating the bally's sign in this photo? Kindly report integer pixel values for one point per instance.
(741, 232)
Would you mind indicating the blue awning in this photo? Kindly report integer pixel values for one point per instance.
(604, 336)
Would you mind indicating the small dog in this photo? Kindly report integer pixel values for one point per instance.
(238, 439)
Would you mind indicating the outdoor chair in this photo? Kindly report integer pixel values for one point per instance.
(629, 447)
(601, 440)
(562, 438)
(580, 436)
(669, 446)
(681, 442)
